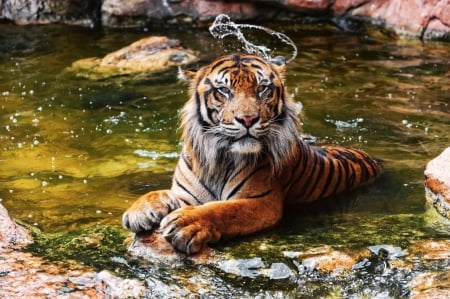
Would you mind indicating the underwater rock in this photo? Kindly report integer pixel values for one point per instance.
(328, 259)
(11, 234)
(115, 287)
(437, 183)
(150, 54)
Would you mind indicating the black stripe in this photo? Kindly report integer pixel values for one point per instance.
(306, 161)
(186, 161)
(338, 179)
(187, 191)
(320, 159)
(229, 169)
(236, 189)
(351, 177)
(260, 195)
(329, 177)
(372, 165)
(258, 67)
(215, 65)
(180, 173)
(197, 101)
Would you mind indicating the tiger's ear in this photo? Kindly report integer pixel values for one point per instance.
(186, 76)
(279, 64)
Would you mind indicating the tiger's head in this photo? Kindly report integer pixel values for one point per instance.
(239, 107)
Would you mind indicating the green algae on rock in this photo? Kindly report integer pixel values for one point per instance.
(150, 54)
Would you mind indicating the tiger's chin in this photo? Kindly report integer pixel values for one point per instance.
(246, 146)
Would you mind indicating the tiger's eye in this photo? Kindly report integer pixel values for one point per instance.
(261, 90)
(224, 91)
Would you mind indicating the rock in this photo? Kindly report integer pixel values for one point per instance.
(153, 246)
(427, 19)
(328, 259)
(423, 18)
(12, 235)
(23, 12)
(437, 183)
(430, 285)
(115, 287)
(151, 54)
(23, 275)
(139, 12)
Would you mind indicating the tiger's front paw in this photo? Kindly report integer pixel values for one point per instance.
(188, 230)
(146, 213)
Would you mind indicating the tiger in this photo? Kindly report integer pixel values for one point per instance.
(243, 160)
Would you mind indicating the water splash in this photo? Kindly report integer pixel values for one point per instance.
(223, 27)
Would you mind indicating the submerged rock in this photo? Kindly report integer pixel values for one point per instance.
(150, 54)
(437, 183)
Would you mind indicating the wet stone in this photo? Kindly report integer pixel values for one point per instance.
(437, 183)
(151, 54)
(11, 234)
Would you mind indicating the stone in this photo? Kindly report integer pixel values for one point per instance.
(23, 12)
(115, 287)
(331, 259)
(153, 246)
(426, 19)
(430, 285)
(150, 54)
(12, 235)
(412, 18)
(437, 183)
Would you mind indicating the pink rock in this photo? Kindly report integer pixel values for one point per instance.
(437, 182)
(410, 17)
(304, 5)
(11, 234)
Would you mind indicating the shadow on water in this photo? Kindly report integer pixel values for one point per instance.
(75, 153)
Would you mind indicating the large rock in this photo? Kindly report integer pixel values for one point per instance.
(437, 183)
(419, 18)
(12, 235)
(23, 275)
(22, 12)
(150, 54)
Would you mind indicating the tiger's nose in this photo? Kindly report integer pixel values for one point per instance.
(247, 120)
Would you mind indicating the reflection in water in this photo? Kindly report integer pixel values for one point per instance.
(74, 153)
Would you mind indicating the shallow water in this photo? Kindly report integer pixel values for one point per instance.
(75, 153)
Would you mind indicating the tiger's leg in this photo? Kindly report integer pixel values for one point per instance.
(191, 227)
(147, 211)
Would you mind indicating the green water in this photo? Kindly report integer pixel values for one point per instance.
(75, 153)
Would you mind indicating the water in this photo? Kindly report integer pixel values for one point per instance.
(75, 153)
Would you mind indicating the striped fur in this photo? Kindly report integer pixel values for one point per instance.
(242, 159)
